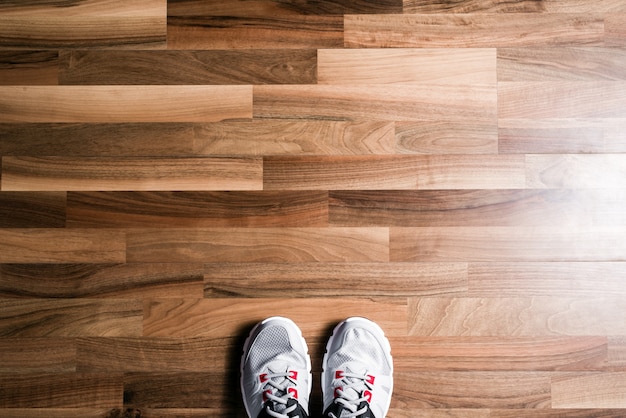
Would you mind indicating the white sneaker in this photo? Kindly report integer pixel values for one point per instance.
(276, 371)
(357, 375)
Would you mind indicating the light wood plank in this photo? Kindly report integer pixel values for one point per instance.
(603, 171)
(197, 209)
(66, 390)
(557, 413)
(224, 317)
(617, 353)
(119, 8)
(460, 390)
(391, 102)
(187, 67)
(70, 318)
(289, 137)
(495, 244)
(503, 6)
(393, 172)
(551, 64)
(258, 245)
(334, 279)
(24, 245)
(545, 279)
(37, 355)
(486, 30)
(402, 412)
(406, 66)
(589, 390)
(499, 353)
(29, 67)
(147, 174)
(91, 280)
(564, 99)
(447, 137)
(124, 104)
(614, 29)
(528, 316)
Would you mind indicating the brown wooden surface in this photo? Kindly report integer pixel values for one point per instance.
(173, 171)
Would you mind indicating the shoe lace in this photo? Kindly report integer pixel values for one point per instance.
(350, 394)
(277, 391)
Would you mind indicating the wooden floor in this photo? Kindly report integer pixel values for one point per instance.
(174, 171)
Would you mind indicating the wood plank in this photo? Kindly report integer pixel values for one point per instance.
(267, 31)
(563, 99)
(124, 104)
(447, 208)
(32, 209)
(460, 390)
(616, 358)
(89, 280)
(484, 30)
(37, 355)
(255, 280)
(277, 7)
(415, 102)
(65, 390)
(589, 390)
(294, 137)
(25, 245)
(405, 66)
(414, 354)
(557, 413)
(496, 244)
(186, 318)
(551, 64)
(84, 8)
(502, 6)
(561, 136)
(197, 209)
(447, 137)
(70, 318)
(604, 171)
(402, 412)
(275, 245)
(98, 139)
(29, 67)
(59, 412)
(545, 279)
(516, 317)
(614, 29)
(93, 67)
(140, 174)
(145, 355)
(393, 172)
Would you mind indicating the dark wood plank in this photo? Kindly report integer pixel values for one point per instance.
(63, 390)
(483, 30)
(61, 412)
(70, 318)
(508, 207)
(254, 280)
(393, 102)
(26, 245)
(89, 280)
(395, 172)
(558, 413)
(37, 355)
(305, 7)
(124, 104)
(141, 174)
(516, 316)
(90, 67)
(32, 209)
(503, 354)
(197, 209)
(258, 245)
(29, 67)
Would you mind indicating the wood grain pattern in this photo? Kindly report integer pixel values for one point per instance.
(576, 171)
(255, 280)
(476, 31)
(500, 6)
(258, 245)
(117, 104)
(110, 174)
(197, 209)
(29, 67)
(43, 245)
(32, 209)
(37, 355)
(449, 137)
(607, 390)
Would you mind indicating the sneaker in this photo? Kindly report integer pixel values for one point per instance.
(357, 375)
(276, 371)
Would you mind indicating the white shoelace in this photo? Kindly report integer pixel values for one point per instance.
(351, 393)
(281, 387)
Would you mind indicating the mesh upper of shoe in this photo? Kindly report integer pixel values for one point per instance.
(357, 348)
(272, 345)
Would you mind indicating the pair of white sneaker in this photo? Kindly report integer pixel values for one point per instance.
(357, 371)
